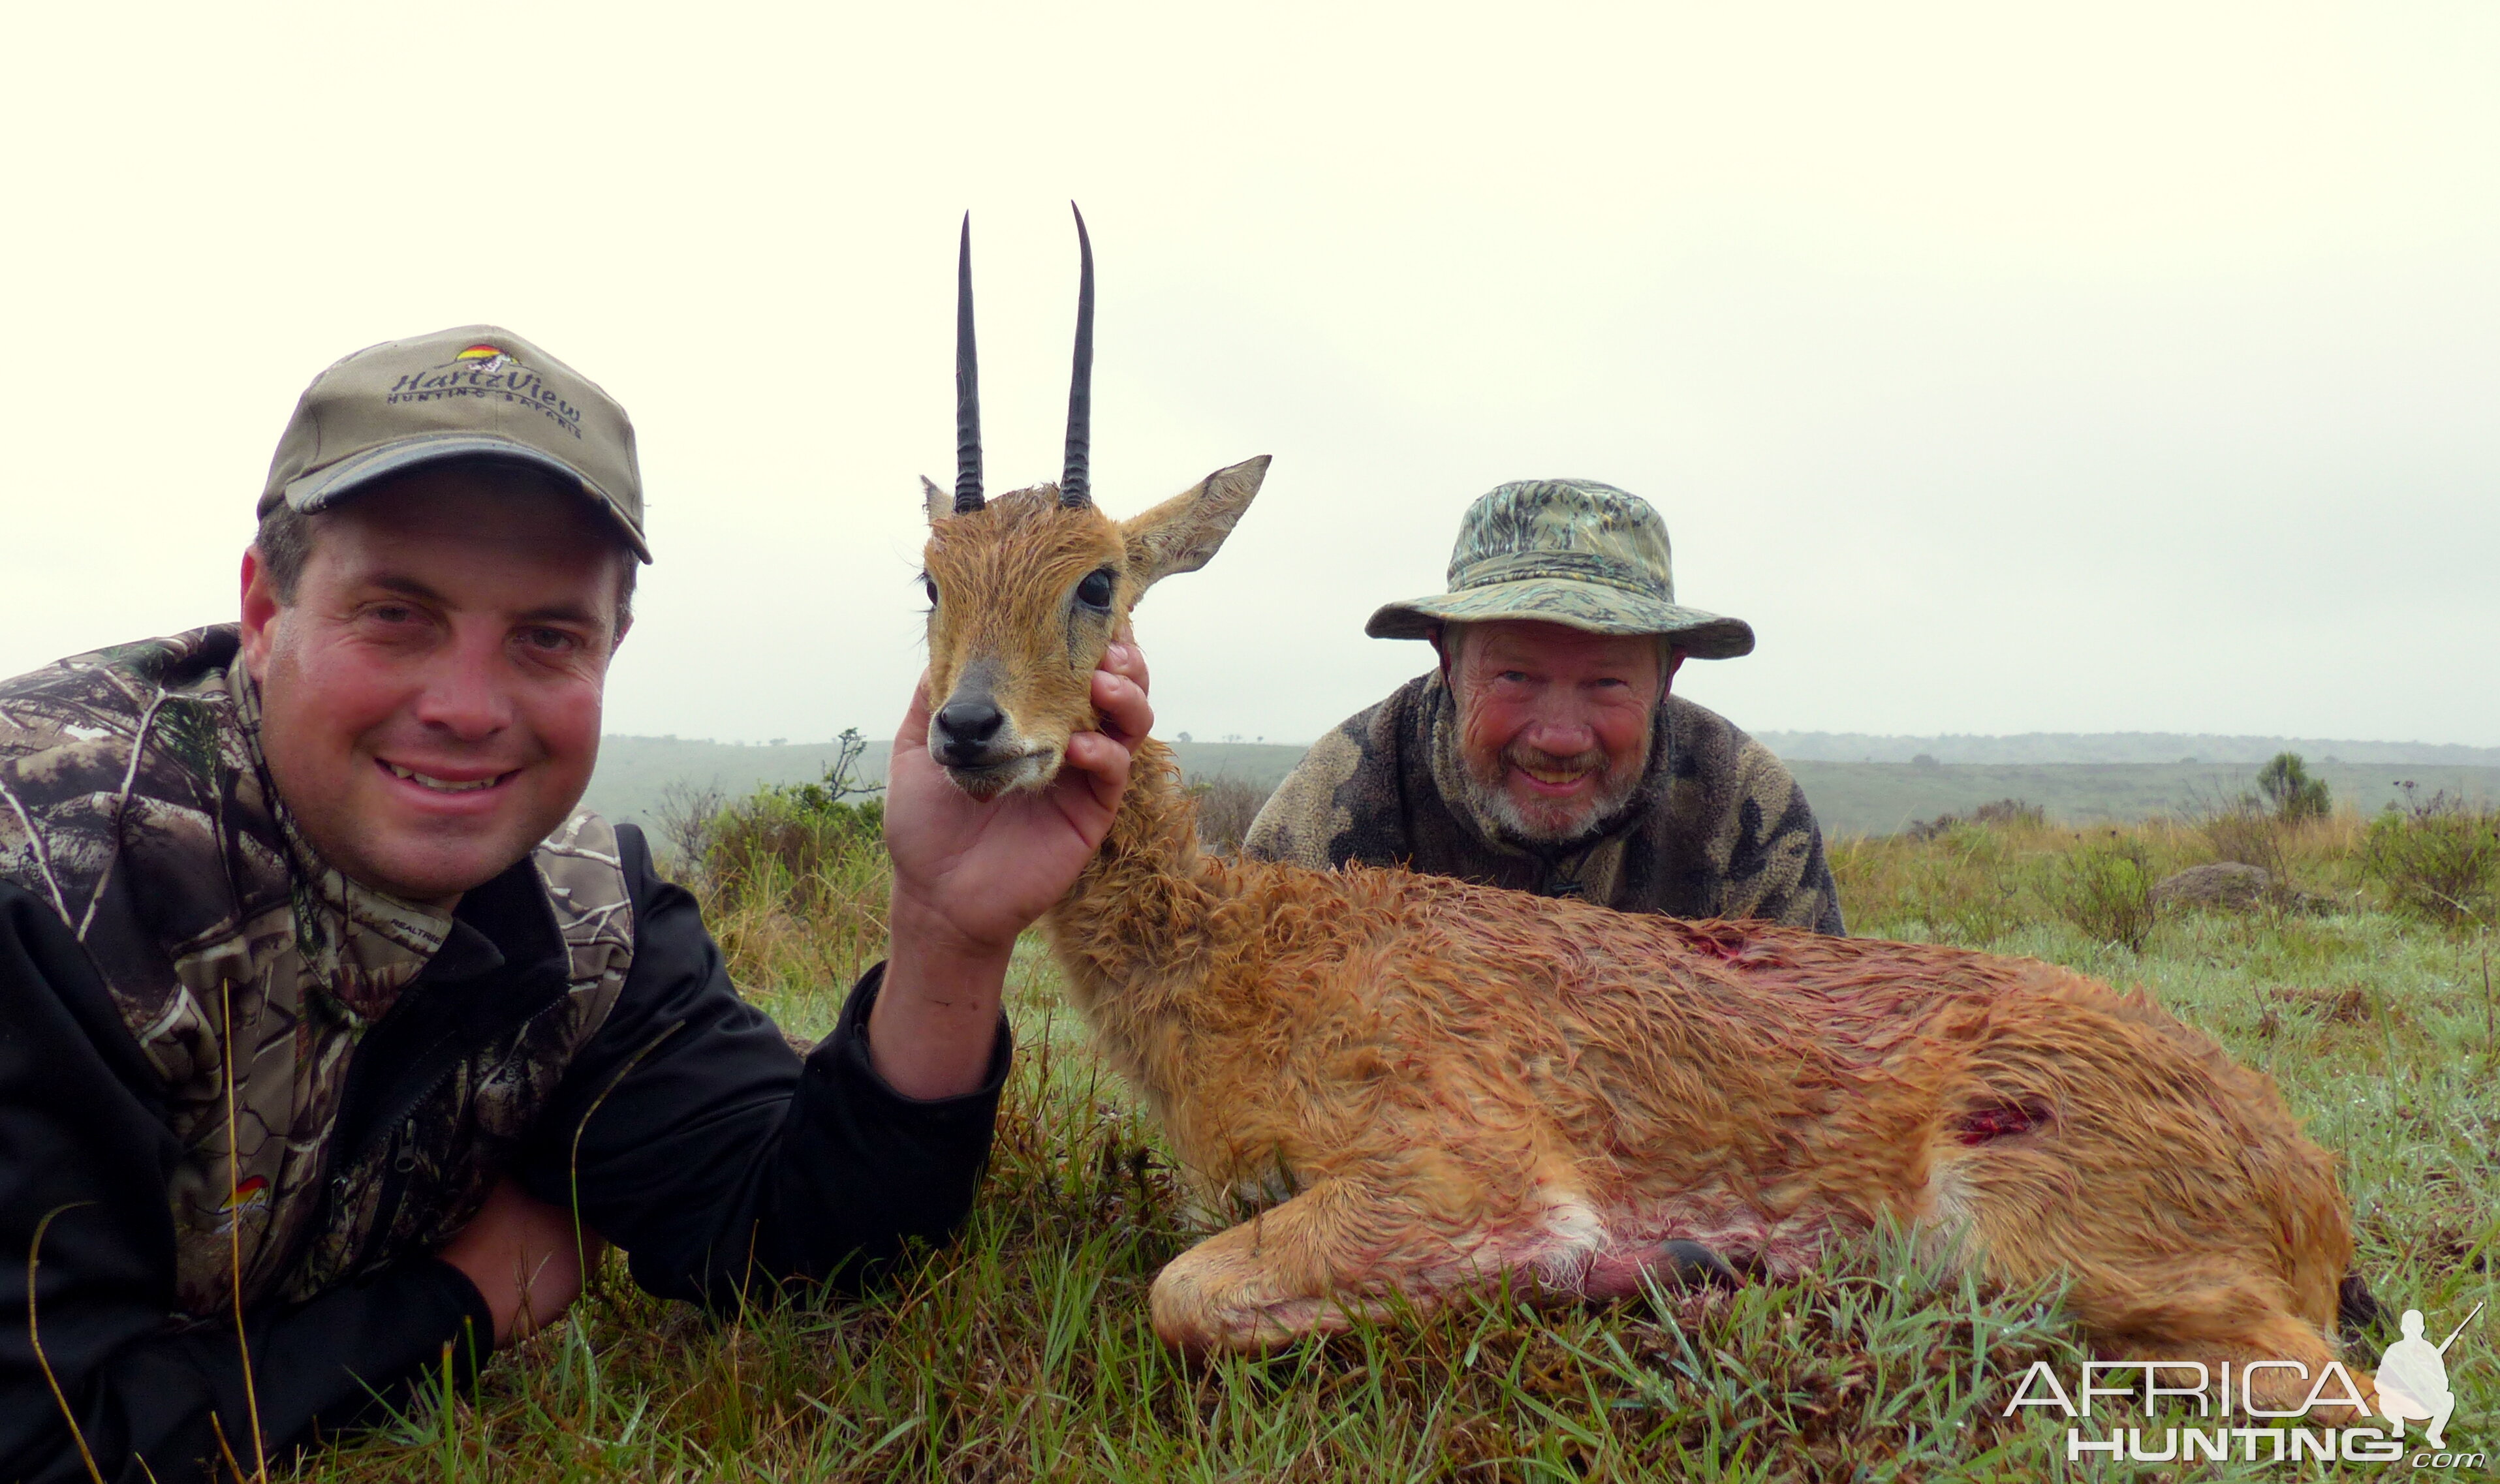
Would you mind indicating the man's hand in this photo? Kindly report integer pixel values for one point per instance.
(523, 1255)
(968, 876)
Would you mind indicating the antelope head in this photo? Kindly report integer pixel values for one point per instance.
(1026, 590)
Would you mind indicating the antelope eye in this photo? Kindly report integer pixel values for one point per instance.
(1095, 590)
(931, 585)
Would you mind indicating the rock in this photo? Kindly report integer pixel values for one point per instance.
(2224, 885)
(2228, 886)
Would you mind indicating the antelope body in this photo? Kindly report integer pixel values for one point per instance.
(1429, 1085)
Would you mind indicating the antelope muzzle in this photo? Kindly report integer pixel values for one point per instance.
(975, 739)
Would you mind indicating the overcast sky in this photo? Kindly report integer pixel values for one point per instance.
(2011, 368)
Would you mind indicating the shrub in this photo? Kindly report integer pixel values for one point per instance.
(2290, 791)
(775, 841)
(795, 879)
(1959, 885)
(686, 813)
(1226, 805)
(2242, 830)
(797, 895)
(842, 782)
(2011, 813)
(2439, 859)
(2106, 891)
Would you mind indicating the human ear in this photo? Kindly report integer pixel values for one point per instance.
(260, 609)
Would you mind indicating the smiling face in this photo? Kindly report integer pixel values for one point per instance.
(1554, 722)
(430, 697)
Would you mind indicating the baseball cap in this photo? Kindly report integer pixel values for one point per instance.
(475, 390)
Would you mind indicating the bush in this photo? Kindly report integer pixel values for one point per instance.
(2290, 790)
(794, 878)
(1962, 886)
(686, 813)
(2439, 859)
(2010, 813)
(1225, 806)
(775, 841)
(2106, 891)
(2242, 830)
(796, 894)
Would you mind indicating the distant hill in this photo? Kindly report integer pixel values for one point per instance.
(1849, 795)
(2110, 748)
(1885, 798)
(634, 772)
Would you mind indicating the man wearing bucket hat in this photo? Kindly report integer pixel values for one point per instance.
(331, 1028)
(1546, 753)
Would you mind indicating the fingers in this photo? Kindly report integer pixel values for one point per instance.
(1121, 704)
(1103, 764)
(1123, 715)
(1125, 659)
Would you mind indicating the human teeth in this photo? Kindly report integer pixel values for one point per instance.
(440, 785)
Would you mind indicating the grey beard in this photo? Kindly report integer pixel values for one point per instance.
(1599, 816)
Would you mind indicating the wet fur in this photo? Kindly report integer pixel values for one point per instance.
(1437, 1083)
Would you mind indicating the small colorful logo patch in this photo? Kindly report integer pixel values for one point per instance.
(250, 1197)
(485, 357)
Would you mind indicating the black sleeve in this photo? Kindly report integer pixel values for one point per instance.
(711, 1151)
(83, 1141)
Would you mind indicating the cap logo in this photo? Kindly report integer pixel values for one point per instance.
(490, 358)
(485, 370)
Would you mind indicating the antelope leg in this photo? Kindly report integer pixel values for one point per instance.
(1305, 1267)
(2213, 1319)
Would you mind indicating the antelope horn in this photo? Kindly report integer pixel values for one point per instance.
(1075, 480)
(967, 384)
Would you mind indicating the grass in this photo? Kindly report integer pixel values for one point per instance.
(1022, 1351)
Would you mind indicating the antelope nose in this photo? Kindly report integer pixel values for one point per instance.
(966, 727)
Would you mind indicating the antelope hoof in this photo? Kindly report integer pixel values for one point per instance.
(1692, 1265)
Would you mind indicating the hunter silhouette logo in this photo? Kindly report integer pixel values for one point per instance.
(2367, 1421)
(2412, 1379)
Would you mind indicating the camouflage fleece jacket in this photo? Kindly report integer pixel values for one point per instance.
(1716, 829)
(233, 1080)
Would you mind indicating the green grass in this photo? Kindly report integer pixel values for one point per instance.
(1022, 1351)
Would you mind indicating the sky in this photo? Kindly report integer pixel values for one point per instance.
(2096, 366)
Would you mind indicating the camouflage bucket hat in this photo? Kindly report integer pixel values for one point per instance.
(1567, 551)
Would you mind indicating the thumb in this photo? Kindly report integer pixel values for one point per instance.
(913, 735)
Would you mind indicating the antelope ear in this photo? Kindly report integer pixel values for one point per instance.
(1184, 532)
(941, 504)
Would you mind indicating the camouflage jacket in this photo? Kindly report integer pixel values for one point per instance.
(134, 802)
(214, 1046)
(1716, 829)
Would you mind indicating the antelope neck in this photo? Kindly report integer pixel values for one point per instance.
(1132, 931)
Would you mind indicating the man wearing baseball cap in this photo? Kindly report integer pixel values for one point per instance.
(1545, 752)
(334, 1036)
